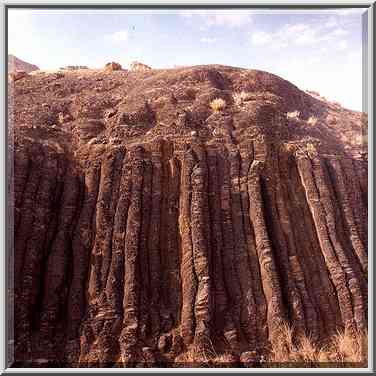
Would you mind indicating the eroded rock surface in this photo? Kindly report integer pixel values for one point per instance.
(145, 224)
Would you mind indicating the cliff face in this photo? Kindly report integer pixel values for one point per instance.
(145, 223)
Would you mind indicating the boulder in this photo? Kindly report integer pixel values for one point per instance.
(112, 66)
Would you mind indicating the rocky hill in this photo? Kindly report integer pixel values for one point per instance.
(149, 219)
(16, 64)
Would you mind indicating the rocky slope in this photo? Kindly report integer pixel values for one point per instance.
(145, 223)
(16, 64)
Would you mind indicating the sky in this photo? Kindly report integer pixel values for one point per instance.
(315, 50)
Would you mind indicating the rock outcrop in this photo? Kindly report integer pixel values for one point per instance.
(139, 67)
(144, 224)
(112, 67)
(17, 75)
(16, 64)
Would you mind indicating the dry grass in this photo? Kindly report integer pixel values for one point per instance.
(291, 350)
(342, 350)
(217, 104)
(293, 115)
(312, 120)
(196, 356)
(351, 348)
(311, 149)
(241, 97)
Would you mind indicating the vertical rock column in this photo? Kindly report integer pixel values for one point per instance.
(31, 275)
(232, 330)
(248, 317)
(298, 289)
(310, 254)
(59, 259)
(143, 264)
(189, 279)
(353, 225)
(220, 299)
(105, 211)
(316, 194)
(22, 168)
(154, 238)
(129, 335)
(269, 276)
(81, 246)
(200, 236)
(246, 153)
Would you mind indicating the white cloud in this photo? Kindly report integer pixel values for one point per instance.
(300, 35)
(208, 40)
(261, 38)
(332, 22)
(228, 18)
(350, 11)
(120, 36)
(342, 45)
(231, 20)
(340, 32)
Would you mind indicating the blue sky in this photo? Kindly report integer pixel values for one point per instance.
(315, 50)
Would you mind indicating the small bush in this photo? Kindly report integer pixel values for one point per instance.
(342, 348)
(293, 115)
(241, 97)
(351, 347)
(311, 148)
(312, 120)
(217, 104)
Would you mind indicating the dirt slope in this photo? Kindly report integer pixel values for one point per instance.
(16, 64)
(145, 222)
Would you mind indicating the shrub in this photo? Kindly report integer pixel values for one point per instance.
(311, 148)
(293, 114)
(237, 99)
(312, 120)
(344, 347)
(217, 104)
(351, 347)
(241, 97)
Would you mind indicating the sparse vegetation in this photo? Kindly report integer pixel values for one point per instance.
(217, 104)
(312, 120)
(293, 115)
(343, 350)
(241, 97)
(311, 148)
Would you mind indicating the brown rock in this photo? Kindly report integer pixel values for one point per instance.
(249, 358)
(139, 67)
(17, 75)
(110, 67)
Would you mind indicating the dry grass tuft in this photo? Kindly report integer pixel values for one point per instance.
(241, 97)
(307, 350)
(312, 120)
(293, 115)
(342, 349)
(195, 355)
(289, 349)
(351, 347)
(217, 104)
